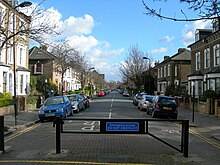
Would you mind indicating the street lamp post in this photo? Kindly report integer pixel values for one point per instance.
(147, 58)
(91, 81)
(45, 89)
(193, 101)
(24, 4)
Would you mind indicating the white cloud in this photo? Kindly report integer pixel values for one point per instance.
(166, 39)
(158, 51)
(78, 26)
(82, 43)
(188, 31)
(78, 32)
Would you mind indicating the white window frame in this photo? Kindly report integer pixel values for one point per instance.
(21, 55)
(198, 61)
(2, 15)
(161, 72)
(168, 70)
(176, 70)
(165, 70)
(11, 19)
(207, 58)
(216, 52)
(158, 72)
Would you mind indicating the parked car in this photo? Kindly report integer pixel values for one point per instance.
(77, 102)
(55, 106)
(86, 100)
(101, 93)
(126, 94)
(163, 106)
(137, 97)
(145, 102)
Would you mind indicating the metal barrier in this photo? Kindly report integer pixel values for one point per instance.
(2, 145)
(124, 126)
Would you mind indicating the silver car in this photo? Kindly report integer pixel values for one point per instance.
(145, 102)
(77, 102)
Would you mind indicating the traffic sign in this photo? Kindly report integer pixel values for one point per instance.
(122, 126)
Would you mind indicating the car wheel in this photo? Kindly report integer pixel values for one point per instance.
(83, 108)
(77, 109)
(174, 117)
(141, 108)
(153, 114)
(66, 114)
(41, 120)
(72, 112)
(148, 113)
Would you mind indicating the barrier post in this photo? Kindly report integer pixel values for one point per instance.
(58, 135)
(2, 140)
(185, 135)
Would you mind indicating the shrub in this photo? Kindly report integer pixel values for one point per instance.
(1, 95)
(209, 94)
(8, 95)
(5, 102)
(202, 99)
(32, 99)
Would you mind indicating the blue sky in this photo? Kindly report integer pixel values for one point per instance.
(105, 30)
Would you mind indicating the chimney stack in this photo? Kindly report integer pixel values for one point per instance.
(180, 50)
(43, 47)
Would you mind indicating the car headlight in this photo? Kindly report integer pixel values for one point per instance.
(74, 106)
(41, 111)
(60, 109)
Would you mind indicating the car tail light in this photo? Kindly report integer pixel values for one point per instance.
(157, 106)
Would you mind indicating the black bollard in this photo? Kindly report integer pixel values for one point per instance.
(2, 145)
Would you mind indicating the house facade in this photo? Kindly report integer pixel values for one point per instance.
(14, 73)
(42, 62)
(205, 52)
(173, 70)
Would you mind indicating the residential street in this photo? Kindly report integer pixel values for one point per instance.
(37, 145)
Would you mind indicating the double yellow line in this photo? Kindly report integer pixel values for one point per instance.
(18, 133)
(213, 143)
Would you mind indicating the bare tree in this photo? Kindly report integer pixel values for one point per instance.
(133, 67)
(36, 25)
(82, 67)
(65, 55)
(206, 10)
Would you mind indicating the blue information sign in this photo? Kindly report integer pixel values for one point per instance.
(122, 126)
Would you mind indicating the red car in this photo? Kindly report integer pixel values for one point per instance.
(101, 93)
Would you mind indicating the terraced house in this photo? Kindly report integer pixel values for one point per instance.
(205, 53)
(173, 70)
(14, 73)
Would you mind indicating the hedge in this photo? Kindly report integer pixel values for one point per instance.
(5, 102)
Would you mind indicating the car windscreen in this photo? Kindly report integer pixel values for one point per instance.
(72, 98)
(148, 98)
(167, 101)
(53, 101)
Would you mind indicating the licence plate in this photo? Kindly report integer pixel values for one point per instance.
(51, 114)
(167, 108)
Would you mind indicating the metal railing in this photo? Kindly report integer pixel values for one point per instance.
(125, 126)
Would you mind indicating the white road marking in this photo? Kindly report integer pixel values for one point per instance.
(110, 115)
(88, 128)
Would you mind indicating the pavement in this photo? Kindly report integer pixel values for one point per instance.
(23, 120)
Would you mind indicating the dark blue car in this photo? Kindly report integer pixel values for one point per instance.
(56, 106)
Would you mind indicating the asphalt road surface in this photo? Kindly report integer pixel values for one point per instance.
(37, 144)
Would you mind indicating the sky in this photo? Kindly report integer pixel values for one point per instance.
(105, 30)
